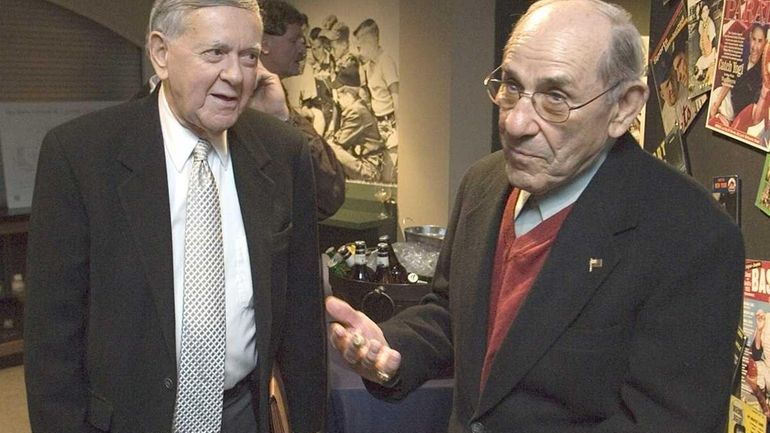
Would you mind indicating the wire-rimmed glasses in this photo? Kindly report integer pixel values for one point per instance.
(552, 107)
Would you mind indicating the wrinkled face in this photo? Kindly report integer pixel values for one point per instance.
(209, 70)
(541, 155)
(284, 55)
(367, 46)
(756, 44)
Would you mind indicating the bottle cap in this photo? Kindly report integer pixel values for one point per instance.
(412, 277)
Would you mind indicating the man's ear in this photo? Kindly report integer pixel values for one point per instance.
(157, 49)
(265, 45)
(629, 105)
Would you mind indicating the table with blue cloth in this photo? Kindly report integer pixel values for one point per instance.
(353, 410)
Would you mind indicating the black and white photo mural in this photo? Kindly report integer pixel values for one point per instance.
(349, 84)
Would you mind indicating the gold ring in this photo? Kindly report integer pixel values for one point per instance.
(382, 376)
(358, 340)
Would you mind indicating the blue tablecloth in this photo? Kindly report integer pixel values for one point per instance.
(354, 410)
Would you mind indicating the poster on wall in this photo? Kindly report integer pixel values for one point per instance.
(22, 128)
(763, 193)
(349, 86)
(740, 96)
(705, 17)
(745, 418)
(669, 64)
(755, 370)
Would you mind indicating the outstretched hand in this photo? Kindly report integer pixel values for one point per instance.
(361, 343)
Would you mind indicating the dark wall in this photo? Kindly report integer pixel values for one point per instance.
(506, 15)
(712, 154)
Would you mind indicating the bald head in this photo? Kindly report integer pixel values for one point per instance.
(585, 27)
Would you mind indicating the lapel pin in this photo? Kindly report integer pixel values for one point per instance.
(594, 264)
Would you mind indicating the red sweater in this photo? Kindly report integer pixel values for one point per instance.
(518, 260)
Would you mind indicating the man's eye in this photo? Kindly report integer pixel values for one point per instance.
(510, 87)
(554, 98)
(251, 59)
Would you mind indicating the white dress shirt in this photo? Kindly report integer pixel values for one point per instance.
(179, 142)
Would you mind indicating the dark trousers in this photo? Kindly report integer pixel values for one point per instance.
(238, 410)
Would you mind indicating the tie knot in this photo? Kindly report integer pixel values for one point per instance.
(201, 150)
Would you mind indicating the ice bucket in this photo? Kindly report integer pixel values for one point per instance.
(428, 234)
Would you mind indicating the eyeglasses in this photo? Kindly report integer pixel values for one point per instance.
(552, 107)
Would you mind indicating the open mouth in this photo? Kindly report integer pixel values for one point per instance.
(225, 98)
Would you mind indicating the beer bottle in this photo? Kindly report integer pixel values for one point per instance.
(339, 264)
(398, 272)
(382, 274)
(360, 272)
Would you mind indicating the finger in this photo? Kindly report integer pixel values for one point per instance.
(388, 361)
(369, 360)
(341, 311)
(356, 348)
(337, 336)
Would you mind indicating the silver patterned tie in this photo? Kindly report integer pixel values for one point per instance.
(202, 362)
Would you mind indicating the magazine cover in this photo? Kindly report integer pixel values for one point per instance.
(755, 369)
(727, 191)
(671, 75)
(738, 106)
(744, 418)
(673, 152)
(704, 21)
(763, 192)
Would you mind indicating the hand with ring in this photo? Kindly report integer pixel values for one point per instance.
(361, 342)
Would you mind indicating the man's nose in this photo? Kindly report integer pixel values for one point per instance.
(521, 120)
(231, 71)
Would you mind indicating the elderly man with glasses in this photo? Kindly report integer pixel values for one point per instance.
(583, 285)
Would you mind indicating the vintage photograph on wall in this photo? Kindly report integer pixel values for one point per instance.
(349, 85)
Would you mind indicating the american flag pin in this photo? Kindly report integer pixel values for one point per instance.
(594, 264)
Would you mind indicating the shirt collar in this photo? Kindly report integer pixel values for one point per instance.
(554, 201)
(180, 141)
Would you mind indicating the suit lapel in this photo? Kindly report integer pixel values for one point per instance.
(566, 282)
(254, 186)
(478, 237)
(143, 193)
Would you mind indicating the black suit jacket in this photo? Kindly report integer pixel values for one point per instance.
(641, 344)
(99, 327)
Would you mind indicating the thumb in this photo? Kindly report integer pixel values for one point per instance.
(341, 311)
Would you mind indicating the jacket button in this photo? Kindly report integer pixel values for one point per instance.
(477, 427)
(168, 383)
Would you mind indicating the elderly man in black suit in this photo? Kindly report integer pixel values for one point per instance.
(583, 286)
(172, 249)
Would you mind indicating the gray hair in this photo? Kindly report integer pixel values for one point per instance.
(624, 60)
(167, 16)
